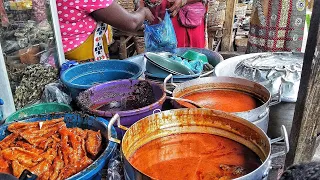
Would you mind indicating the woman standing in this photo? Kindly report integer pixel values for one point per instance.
(83, 25)
(277, 25)
(188, 35)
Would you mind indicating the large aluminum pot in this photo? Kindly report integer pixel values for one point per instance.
(197, 121)
(259, 115)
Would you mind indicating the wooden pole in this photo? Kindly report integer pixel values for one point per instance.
(228, 25)
(306, 118)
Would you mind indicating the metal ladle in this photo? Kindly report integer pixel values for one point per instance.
(175, 98)
(186, 100)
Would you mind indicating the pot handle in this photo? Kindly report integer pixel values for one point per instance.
(156, 111)
(115, 118)
(284, 136)
(276, 99)
(166, 81)
(265, 113)
(27, 175)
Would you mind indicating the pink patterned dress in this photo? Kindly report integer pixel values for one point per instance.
(76, 23)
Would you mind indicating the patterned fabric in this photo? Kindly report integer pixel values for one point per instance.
(281, 29)
(39, 10)
(3, 15)
(76, 24)
(98, 48)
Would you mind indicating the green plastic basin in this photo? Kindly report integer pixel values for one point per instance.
(43, 108)
(193, 55)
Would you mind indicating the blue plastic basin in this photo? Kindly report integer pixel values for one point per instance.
(84, 76)
(81, 121)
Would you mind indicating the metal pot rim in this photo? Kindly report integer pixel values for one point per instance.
(220, 114)
(228, 80)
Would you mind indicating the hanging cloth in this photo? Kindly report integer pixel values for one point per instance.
(276, 25)
(39, 10)
(3, 15)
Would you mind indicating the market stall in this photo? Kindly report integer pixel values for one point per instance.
(135, 118)
(30, 55)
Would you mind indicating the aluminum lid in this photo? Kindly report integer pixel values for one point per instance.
(278, 72)
(279, 61)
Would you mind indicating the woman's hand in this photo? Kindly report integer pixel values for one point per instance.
(147, 13)
(174, 9)
(116, 16)
(149, 16)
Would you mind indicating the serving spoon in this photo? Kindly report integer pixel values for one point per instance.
(186, 100)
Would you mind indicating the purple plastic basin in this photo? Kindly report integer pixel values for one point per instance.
(115, 91)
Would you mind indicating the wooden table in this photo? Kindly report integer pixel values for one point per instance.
(125, 37)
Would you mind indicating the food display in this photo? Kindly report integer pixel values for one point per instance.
(28, 46)
(48, 149)
(194, 156)
(136, 118)
(32, 86)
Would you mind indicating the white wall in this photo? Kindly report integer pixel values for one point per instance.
(5, 90)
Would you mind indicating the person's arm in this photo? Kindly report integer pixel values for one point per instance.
(141, 4)
(116, 16)
(174, 9)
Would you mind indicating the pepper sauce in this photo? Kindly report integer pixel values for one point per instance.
(224, 100)
(194, 156)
